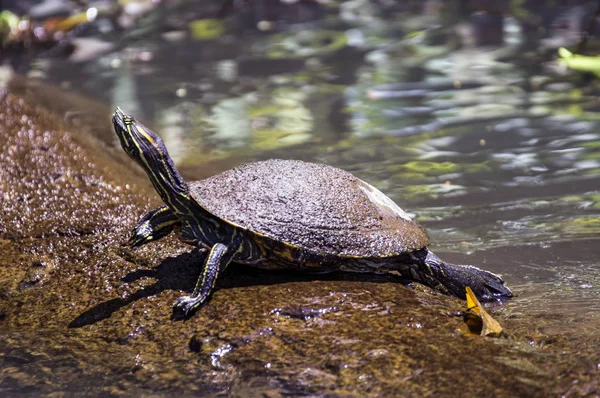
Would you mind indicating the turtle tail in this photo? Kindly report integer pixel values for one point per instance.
(453, 279)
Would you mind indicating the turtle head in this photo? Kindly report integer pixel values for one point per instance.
(139, 142)
(149, 151)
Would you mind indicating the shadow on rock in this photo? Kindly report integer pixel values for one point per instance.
(181, 272)
(173, 273)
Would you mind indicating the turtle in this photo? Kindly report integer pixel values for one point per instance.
(288, 214)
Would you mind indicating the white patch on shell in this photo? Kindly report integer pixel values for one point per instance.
(383, 202)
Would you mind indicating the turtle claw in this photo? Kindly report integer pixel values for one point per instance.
(490, 287)
(185, 305)
(136, 239)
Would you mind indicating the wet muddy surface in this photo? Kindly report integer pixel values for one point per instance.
(492, 146)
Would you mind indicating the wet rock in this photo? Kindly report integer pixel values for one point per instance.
(33, 276)
(303, 313)
(36, 272)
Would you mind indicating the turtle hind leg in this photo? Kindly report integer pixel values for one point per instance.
(154, 225)
(453, 279)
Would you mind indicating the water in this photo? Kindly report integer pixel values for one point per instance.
(494, 149)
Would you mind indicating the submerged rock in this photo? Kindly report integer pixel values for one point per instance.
(80, 312)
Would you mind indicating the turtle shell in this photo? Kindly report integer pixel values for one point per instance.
(311, 206)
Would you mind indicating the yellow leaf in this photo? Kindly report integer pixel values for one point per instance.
(207, 29)
(477, 320)
(579, 62)
(472, 302)
(69, 23)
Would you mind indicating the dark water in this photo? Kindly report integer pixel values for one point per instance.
(495, 149)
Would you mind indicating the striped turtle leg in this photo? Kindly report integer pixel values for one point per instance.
(219, 257)
(453, 279)
(430, 270)
(153, 226)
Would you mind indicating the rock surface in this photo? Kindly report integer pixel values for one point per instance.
(82, 314)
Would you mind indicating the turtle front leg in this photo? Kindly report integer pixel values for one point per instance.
(156, 224)
(219, 257)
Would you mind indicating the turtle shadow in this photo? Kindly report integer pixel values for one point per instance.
(181, 273)
(173, 273)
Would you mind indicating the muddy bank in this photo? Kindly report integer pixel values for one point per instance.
(81, 313)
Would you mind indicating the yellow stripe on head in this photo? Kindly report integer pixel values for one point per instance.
(149, 138)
